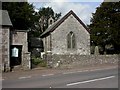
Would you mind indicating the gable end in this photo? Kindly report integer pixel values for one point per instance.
(57, 23)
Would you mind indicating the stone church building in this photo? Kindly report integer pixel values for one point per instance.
(13, 45)
(68, 35)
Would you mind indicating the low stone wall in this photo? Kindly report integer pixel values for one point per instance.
(72, 61)
(26, 65)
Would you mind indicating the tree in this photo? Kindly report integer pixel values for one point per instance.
(21, 14)
(42, 17)
(45, 14)
(41, 23)
(105, 25)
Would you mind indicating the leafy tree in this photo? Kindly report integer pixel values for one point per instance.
(41, 23)
(42, 17)
(21, 14)
(45, 14)
(105, 25)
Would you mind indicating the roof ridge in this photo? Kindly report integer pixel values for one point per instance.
(58, 22)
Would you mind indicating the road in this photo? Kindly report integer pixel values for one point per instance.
(107, 78)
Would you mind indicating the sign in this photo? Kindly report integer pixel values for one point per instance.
(15, 52)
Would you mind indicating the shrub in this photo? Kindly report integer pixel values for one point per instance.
(38, 61)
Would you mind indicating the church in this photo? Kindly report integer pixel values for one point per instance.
(68, 35)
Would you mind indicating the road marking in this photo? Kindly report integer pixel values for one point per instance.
(90, 81)
(102, 69)
(69, 72)
(83, 71)
(75, 72)
(24, 77)
(87, 70)
(47, 75)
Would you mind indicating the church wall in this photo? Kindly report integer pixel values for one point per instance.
(0, 47)
(5, 51)
(59, 38)
(48, 43)
(20, 38)
(44, 43)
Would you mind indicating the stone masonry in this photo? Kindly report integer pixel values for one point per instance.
(59, 38)
(0, 47)
(55, 37)
(77, 61)
(5, 48)
(9, 37)
(19, 37)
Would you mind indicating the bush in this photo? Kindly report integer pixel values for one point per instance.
(38, 61)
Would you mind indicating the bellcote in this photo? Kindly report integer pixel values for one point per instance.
(50, 21)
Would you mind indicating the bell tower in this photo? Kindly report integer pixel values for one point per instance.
(50, 21)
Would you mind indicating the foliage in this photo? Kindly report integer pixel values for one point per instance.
(39, 62)
(41, 19)
(21, 14)
(24, 17)
(41, 22)
(105, 25)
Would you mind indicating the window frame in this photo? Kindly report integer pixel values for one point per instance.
(71, 41)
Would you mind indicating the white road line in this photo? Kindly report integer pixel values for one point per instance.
(47, 75)
(90, 81)
(75, 72)
(83, 71)
(88, 70)
(101, 69)
(24, 77)
(69, 72)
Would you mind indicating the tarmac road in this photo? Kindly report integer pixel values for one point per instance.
(107, 78)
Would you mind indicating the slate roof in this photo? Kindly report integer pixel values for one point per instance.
(5, 21)
(57, 23)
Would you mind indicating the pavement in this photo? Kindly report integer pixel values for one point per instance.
(45, 71)
(102, 77)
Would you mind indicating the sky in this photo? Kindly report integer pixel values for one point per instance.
(82, 8)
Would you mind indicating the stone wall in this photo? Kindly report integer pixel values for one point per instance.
(73, 61)
(59, 38)
(0, 48)
(5, 48)
(19, 37)
(47, 43)
(26, 65)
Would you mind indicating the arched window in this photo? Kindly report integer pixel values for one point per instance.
(71, 40)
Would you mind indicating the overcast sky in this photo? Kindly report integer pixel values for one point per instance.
(83, 8)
